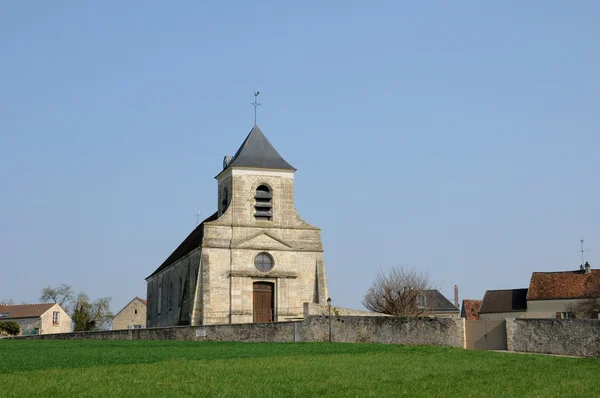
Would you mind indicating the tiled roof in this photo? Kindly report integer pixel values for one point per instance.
(564, 285)
(511, 300)
(142, 300)
(24, 310)
(470, 309)
(193, 241)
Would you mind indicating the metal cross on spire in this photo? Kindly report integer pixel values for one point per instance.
(197, 217)
(255, 103)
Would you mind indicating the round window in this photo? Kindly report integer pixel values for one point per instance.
(263, 262)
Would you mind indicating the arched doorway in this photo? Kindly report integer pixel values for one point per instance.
(263, 301)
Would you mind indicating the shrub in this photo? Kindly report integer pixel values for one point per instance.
(10, 327)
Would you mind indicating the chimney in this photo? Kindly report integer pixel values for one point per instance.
(587, 267)
(456, 296)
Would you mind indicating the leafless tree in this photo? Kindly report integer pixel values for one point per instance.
(588, 307)
(399, 291)
(6, 302)
(62, 295)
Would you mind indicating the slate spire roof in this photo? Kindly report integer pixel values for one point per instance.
(257, 151)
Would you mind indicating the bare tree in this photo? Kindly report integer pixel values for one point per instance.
(588, 307)
(62, 295)
(399, 291)
(6, 302)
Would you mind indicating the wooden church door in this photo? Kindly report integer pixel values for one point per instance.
(263, 302)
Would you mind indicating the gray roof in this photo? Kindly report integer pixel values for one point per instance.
(257, 151)
(510, 300)
(436, 302)
(193, 241)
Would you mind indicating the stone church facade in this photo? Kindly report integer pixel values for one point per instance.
(254, 260)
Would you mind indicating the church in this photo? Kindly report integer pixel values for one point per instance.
(253, 260)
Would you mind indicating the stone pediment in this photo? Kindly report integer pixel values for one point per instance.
(262, 241)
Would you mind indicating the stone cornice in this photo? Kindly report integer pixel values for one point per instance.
(261, 224)
(271, 274)
(262, 248)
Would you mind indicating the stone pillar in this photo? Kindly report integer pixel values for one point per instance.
(510, 332)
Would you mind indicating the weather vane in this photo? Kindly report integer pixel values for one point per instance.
(255, 103)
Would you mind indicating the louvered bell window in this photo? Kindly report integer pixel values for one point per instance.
(263, 205)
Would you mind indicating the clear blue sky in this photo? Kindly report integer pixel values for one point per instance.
(461, 138)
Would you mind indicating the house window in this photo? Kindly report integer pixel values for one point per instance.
(159, 304)
(565, 315)
(421, 301)
(263, 205)
(263, 262)
(135, 312)
(55, 318)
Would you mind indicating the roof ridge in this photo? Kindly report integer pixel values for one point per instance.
(575, 271)
(22, 304)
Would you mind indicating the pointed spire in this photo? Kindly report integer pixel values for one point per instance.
(257, 151)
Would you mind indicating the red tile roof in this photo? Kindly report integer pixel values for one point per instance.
(24, 310)
(564, 285)
(142, 300)
(470, 309)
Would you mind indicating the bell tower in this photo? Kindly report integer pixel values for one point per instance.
(256, 186)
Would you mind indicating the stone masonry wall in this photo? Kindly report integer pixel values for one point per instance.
(576, 337)
(320, 309)
(350, 329)
(28, 324)
(181, 276)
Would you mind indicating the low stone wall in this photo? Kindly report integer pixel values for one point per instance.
(323, 309)
(576, 337)
(387, 330)
(349, 329)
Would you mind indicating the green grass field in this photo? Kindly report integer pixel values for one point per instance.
(178, 368)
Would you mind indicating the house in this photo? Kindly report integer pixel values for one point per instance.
(37, 318)
(437, 305)
(132, 316)
(551, 294)
(503, 304)
(470, 309)
(253, 260)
